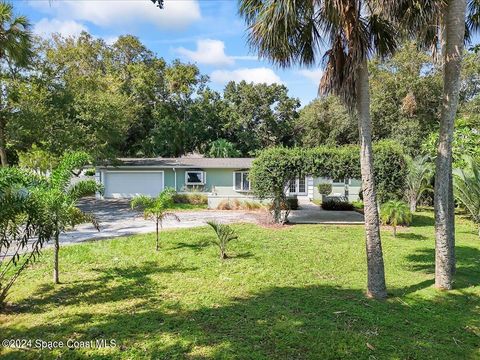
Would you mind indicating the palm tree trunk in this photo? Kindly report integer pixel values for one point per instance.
(443, 192)
(413, 204)
(3, 143)
(56, 250)
(376, 287)
(157, 242)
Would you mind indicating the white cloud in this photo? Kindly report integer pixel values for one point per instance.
(45, 27)
(104, 13)
(313, 75)
(210, 52)
(255, 75)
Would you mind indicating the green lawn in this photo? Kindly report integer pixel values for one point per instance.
(289, 293)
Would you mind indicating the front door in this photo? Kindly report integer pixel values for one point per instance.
(298, 186)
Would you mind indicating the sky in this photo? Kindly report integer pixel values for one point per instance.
(208, 33)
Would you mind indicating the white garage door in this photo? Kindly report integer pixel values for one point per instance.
(127, 184)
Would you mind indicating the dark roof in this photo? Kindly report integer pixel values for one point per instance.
(185, 162)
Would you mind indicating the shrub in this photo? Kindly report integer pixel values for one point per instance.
(324, 188)
(335, 204)
(192, 198)
(236, 204)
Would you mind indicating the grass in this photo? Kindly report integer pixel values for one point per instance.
(291, 293)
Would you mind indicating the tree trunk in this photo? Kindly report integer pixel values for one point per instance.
(413, 204)
(56, 250)
(376, 287)
(454, 20)
(394, 231)
(3, 144)
(157, 247)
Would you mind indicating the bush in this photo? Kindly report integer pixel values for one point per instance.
(324, 188)
(236, 204)
(193, 199)
(339, 205)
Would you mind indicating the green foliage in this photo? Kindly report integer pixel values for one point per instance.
(225, 234)
(37, 159)
(222, 148)
(156, 209)
(336, 204)
(466, 184)
(324, 188)
(22, 217)
(394, 213)
(326, 121)
(259, 116)
(466, 140)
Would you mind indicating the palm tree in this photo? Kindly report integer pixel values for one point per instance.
(394, 213)
(225, 234)
(156, 209)
(60, 200)
(15, 49)
(222, 148)
(444, 26)
(420, 173)
(467, 189)
(289, 32)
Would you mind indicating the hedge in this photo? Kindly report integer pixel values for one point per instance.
(275, 167)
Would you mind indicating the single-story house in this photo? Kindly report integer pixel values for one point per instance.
(219, 178)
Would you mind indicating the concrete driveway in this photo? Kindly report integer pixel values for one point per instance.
(117, 219)
(309, 213)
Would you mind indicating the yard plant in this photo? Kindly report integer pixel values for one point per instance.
(156, 209)
(224, 234)
(394, 213)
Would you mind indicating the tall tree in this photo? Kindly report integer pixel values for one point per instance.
(452, 50)
(290, 32)
(15, 50)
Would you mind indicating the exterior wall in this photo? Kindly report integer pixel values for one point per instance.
(339, 189)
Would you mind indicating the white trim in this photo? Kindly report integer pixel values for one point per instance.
(242, 190)
(204, 177)
(297, 186)
(132, 171)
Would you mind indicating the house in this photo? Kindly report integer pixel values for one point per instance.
(219, 178)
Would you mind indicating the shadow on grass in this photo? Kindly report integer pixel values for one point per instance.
(115, 284)
(422, 220)
(411, 236)
(468, 264)
(320, 322)
(193, 246)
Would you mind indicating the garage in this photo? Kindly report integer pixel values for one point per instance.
(127, 184)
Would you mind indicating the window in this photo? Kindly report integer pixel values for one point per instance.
(241, 182)
(341, 181)
(298, 186)
(194, 178)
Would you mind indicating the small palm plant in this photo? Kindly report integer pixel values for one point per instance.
(466, 185)
(60, 199)
(225, 234)
(156, 209)
(394, 213)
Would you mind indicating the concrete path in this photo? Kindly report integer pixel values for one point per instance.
(116, 218)
(309, 213)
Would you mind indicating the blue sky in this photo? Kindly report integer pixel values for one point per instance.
(208, 33)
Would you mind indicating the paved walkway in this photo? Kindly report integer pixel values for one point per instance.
(309, 213)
